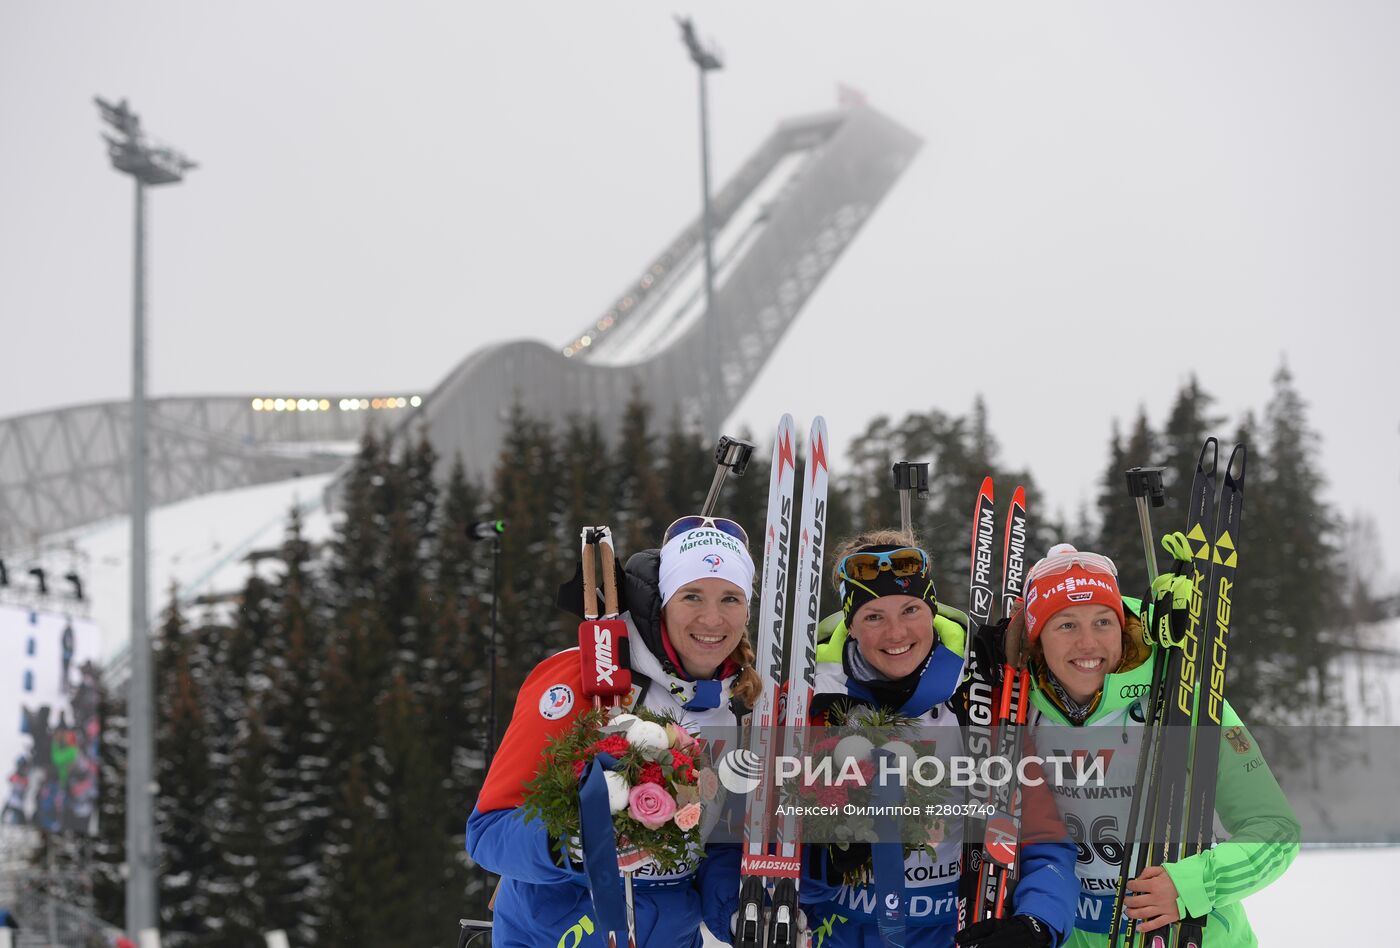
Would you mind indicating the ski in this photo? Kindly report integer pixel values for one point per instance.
(979, 704)
(1002, 841)
(1164, 765)
(756, 864)
(1210, 701)
(801, 677)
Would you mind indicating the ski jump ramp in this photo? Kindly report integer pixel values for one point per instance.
(781, 222)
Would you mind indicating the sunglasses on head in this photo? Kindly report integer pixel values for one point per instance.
(864, 567)
(1063, 562)
(694, 521)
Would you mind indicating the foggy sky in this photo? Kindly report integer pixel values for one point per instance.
(1110, 197)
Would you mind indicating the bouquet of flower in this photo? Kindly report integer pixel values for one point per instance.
(657, 794)
(837, 792)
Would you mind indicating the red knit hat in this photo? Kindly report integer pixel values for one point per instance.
(1067, 577)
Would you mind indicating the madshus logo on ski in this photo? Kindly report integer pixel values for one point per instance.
(740, 771)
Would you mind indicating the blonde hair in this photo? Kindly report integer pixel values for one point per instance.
(748, 686)
(868, 538)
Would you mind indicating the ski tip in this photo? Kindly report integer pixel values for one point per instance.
(1018, 497)
(987, 486)
(1210, 449)
(1234, 468)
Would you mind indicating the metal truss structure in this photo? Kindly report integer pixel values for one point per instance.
(63, 468)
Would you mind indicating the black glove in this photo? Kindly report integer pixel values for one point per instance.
(989, 651)
(1018, 931)
(854, 859)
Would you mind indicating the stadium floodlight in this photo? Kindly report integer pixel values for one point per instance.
(706, 59)
(149, 165)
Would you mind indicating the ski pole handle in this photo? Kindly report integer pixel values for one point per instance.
(911, 480)
(609, 557)
(590, 573)
(1145, 483)
(731, 456)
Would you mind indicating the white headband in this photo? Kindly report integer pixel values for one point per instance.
(704, 553)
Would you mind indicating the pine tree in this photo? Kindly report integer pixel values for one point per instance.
(1120, 535)
(182, 773)
(108, 850)
(1289, 583)
(1188, 425)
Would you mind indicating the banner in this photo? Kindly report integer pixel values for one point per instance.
(49, 729)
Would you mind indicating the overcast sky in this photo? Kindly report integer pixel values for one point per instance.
(1110, 197)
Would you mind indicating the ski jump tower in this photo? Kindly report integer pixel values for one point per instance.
(781, 222)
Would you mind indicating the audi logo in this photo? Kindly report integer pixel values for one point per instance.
(1134, 691)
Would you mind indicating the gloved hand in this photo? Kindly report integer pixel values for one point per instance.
(1018, 931)
(1171, 595)
(989, 651)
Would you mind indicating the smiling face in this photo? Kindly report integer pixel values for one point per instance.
(705, 620)
(894, 633)
(1082, 644)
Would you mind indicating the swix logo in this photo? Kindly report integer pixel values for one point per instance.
(603, 654)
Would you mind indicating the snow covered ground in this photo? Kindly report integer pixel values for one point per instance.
(1327, 897)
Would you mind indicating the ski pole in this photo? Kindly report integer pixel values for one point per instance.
(1144, 483)
(911, 480)
(604, 655)
(731, 456)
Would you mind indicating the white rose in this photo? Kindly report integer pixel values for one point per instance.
(617, 791)
(903, 750)
(853, 747)
(648, 737)
(620, 724)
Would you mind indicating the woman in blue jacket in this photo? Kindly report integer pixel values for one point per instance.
(687, 614)
(899, 649)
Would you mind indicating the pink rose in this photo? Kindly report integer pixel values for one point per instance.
(709, 784)
(681, 739)
(650, 805)
(688, 816)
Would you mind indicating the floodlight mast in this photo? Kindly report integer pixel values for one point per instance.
(706, 59)
(149, 165)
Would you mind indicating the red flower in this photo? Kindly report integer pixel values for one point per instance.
(823, 746)
(867, 772)
(614, 745)
(831, 796)
(651, 773)
(579, 765)
(684, 766)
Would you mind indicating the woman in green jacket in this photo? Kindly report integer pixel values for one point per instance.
(1092, 667)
